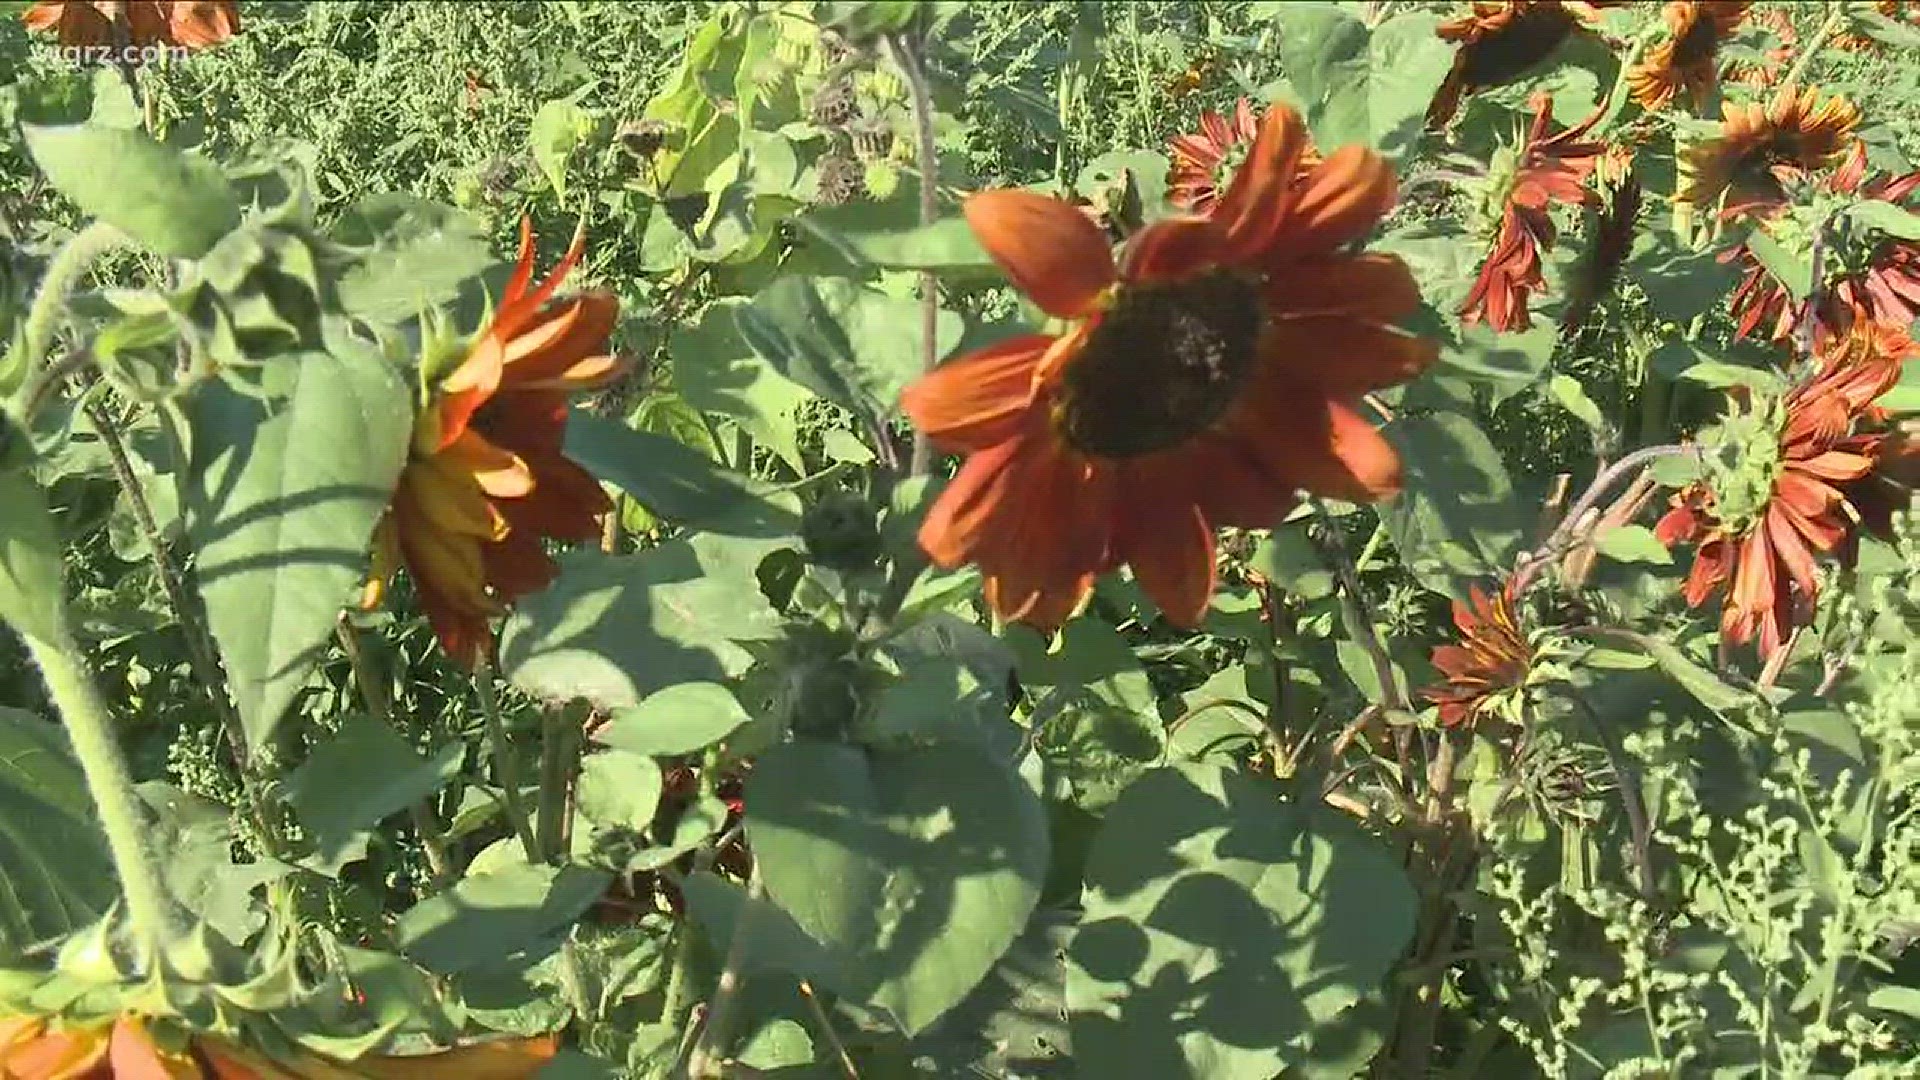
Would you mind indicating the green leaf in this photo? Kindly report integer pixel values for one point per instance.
(1682, 359)
(1358, 84)
(283, 494)
(619, 789)
(53, 858)
(952, 687)
(1572, 397)
(775, 944)
(558, 127)
(1706, 687)
(1791, 268)
(716, 371)
(846, 342)
(359, 776)
(412, 255)
(195, 839)
(1633, 543)
(1457, 518)
(177, 204)
(1509, 361)
(1224, 928)
(918, 868)
(614, 629)
(862, 235)
(494, 919)
(30, 572)
(677, 720)
(1680, 283)
(1886, 217)
(864, 20)
(1019, 1012)
(677, 482)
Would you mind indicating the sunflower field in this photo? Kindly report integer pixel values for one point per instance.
(872, 539)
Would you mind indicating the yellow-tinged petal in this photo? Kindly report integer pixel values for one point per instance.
(500, 473)
(451, 498)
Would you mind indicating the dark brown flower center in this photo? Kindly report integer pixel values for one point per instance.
(1505, 55)
(1698, 43)
(1164, 364)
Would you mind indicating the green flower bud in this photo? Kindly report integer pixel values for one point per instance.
(840, 532)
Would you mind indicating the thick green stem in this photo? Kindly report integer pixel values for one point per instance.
(1836, 15)
(506, 767)
(90, 729)
(906, 54)
(559, 764)
(64, 272)
(373, 691)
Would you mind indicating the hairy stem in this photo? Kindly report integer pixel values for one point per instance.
(380, 705)
(506, 767)
(1531, 562)
(1631, 802)
(64, 272)
(1359, 620)
(559, 761)
(906, 54)
(90, 729)
(1836, 15)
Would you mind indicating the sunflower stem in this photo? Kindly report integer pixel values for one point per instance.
(709, 1051)
(906, 54)
(1836, 15)
(506, 767)
(64, 272)
(1631, 802)
(380, 704)
(1359, 620)
(150, 913)
(1530, 562)
(559, 764)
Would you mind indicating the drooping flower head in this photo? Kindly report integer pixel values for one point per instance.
(1773, 63)
(1900, 11)
(134, 1047)
(1772, 497)
(1502, 40)
(487, 482)
(1201, 381)
(186, 24)
(1762, 146)
(1490, 663)
(1689, 57)
(1522, 184)
(1867, 274)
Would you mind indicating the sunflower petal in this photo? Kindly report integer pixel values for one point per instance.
(1341, 200)
(977, 400)
(1050, 250)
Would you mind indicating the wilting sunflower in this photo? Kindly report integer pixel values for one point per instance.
(1773, 496)
(487, 482)
(1522, 184)
(1501, 41)
(1878, 281)
(1205, 160)
(1201, 382)
(1761, 146)
(1901, 11)
(1490, 662)
(186, 24)
(1689, 57)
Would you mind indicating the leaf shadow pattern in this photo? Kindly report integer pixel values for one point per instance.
(919, 867)
(1223, 927)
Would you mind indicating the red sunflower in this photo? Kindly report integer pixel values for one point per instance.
(1758, 523)
(186, 24)
(1213, 372)
(1687, 59)
(1879, 283)
(1762, 146)
(1502, 40)
(1491, 660)
(1545, 170)
(1901, 11)
(1204, 160)
(488, 482)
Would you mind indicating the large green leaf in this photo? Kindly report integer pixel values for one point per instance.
(1359, 84)
(716, 371)
(55, 876)
(175, 203)
(1223, 928)
(195, 839)
(360, 775)
(614, 629)
(844, 341)
(868, 234)
(1095, 716)
(499, 918)
(1456, 518)
(775, 943)
(413, 255)
(677, 720)
(30, 571)
(917, 867)
(283, 495)
(677, 482)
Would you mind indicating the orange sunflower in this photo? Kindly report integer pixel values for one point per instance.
(1902, 11)
(187, 24)
(1878, 283)
(1214, 371)
(1762, 146)
(1766, 508)
(1501, 40)
(487, 482)
(1689, 56)
(1491, 660)
(1205, 160)
(1543, 171)
(35, 1048)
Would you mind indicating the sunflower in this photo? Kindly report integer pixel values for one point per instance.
(1205, 160)
(1762, 146)
(1214, 371)
(1773, 496)
(1878, 282)
(1490, 662)
(186, 24)
(1501, 40)
(1900, 11)
(1544, 170)
(487, 482)
(35, 1048)
(1689, 55)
